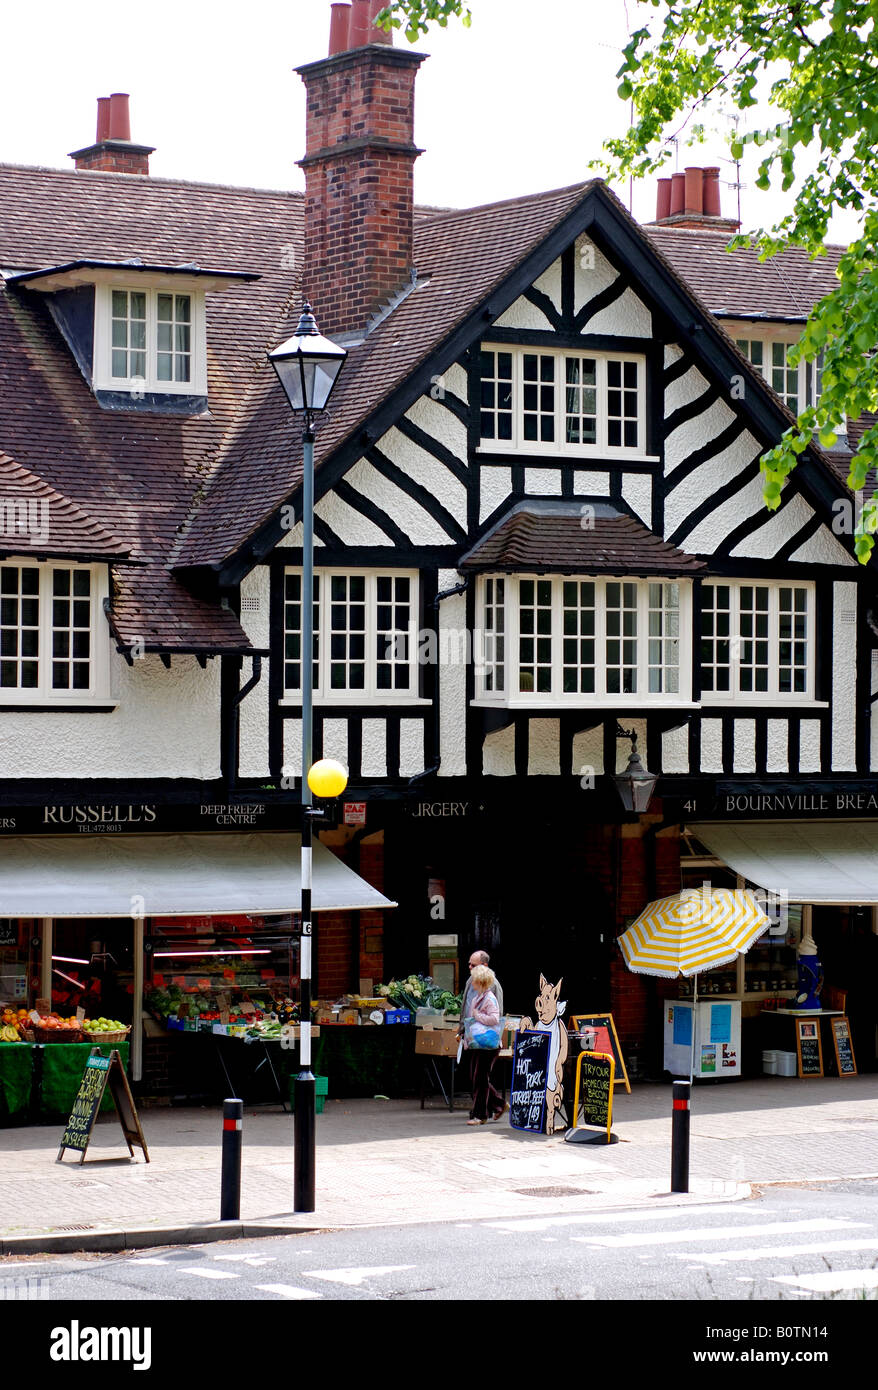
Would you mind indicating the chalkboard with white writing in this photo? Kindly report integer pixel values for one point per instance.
(597, 1089)
(530, 1074)
(844, 1048)
(808, 1047)
(99, 1072)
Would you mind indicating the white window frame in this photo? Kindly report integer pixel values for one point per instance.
(370, 693)
(774, 695)
(44, 693)
(150, 383)
(600, 449)
(511, 697)
(745, 334)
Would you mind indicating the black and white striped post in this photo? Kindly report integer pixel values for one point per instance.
(230, 1179)
(680, 1136)
(307, 366)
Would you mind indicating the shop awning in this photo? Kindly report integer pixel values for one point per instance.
(171, 875)
(831, 862)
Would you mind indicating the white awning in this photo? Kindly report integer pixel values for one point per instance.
(171, 876)
(833, 862)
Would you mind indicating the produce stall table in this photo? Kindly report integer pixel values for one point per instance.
(39, 1081)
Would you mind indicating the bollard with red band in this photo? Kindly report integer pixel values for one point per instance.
(230, 1182)
(680, 1137)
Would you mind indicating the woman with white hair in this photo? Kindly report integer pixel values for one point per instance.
(482, 1041)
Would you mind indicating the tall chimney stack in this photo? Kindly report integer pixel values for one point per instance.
(359, 170)
(114, 151)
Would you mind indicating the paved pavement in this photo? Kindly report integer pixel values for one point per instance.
(381, 1162)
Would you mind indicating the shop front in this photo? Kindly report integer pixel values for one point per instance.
(819, 881)
(155, 939)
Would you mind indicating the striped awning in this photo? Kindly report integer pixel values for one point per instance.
(692, 931)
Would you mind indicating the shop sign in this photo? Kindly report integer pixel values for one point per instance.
(98, 819)
(441, 810)
(819, 802)
(355, 813)
(233, 815)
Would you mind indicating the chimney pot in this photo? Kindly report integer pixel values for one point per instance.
(663, 200)
(694, 190)
(678, 182)
(103, 129)
(120, 123)
(712, 204)
(340, 29)
(363, 29)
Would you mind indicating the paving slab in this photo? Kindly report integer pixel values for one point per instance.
(389, 1162)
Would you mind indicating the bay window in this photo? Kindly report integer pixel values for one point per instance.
(53, 636)
(546, 639)
(365, 634)
(757, 641)
(562, 401)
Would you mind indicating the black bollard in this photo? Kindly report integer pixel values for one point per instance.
(680, 1137)
(230, 1187)
(304, 1140)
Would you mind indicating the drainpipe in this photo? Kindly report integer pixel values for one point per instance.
(431, 771)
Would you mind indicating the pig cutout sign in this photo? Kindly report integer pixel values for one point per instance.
(549, 1015)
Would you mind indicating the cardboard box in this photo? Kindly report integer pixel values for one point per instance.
(436, 1042)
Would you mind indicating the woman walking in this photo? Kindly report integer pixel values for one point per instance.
(482, 1028)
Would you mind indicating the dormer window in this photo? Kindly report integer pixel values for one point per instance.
(138, 331)
(150, 340)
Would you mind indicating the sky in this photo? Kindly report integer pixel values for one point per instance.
(518, 103)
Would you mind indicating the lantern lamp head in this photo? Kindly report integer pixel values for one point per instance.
(308, 366)
(636, 784)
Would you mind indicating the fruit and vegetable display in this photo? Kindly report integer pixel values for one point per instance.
(17, 1025)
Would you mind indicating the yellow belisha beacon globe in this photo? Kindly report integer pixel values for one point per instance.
(327, 778)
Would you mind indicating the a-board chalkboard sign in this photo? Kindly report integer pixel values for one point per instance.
(530, 1074)
(606, 1040)
(844, 1048)
(100, 1072)
(593, 1098)
(810, 1053)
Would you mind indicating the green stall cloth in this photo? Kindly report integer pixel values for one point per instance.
(362, 1061)
(63, 1065)
(16, 1078)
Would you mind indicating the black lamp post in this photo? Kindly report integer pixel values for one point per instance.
(308, 366)
(636, 784)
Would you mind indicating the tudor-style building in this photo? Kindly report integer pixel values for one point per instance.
(539, 519)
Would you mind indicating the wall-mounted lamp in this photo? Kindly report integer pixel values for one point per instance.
(636, 784)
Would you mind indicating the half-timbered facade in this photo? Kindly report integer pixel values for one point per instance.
(539, 520)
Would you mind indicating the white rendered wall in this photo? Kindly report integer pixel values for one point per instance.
(166, 724)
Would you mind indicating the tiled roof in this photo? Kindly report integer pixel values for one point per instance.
(36, 519)
(464, 253)
(737, 283)
(570, 539)
(178, 493)
(136, 475)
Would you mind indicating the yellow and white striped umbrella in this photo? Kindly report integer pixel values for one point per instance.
(693, 931)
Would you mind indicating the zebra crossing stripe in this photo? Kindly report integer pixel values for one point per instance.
(288, 1291)
(831, 1281)
(211, 1273)
(768, 1228)
(776, 1252)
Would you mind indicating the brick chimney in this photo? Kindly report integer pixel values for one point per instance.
(692, 199)
(359, 170)
(114, 151)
